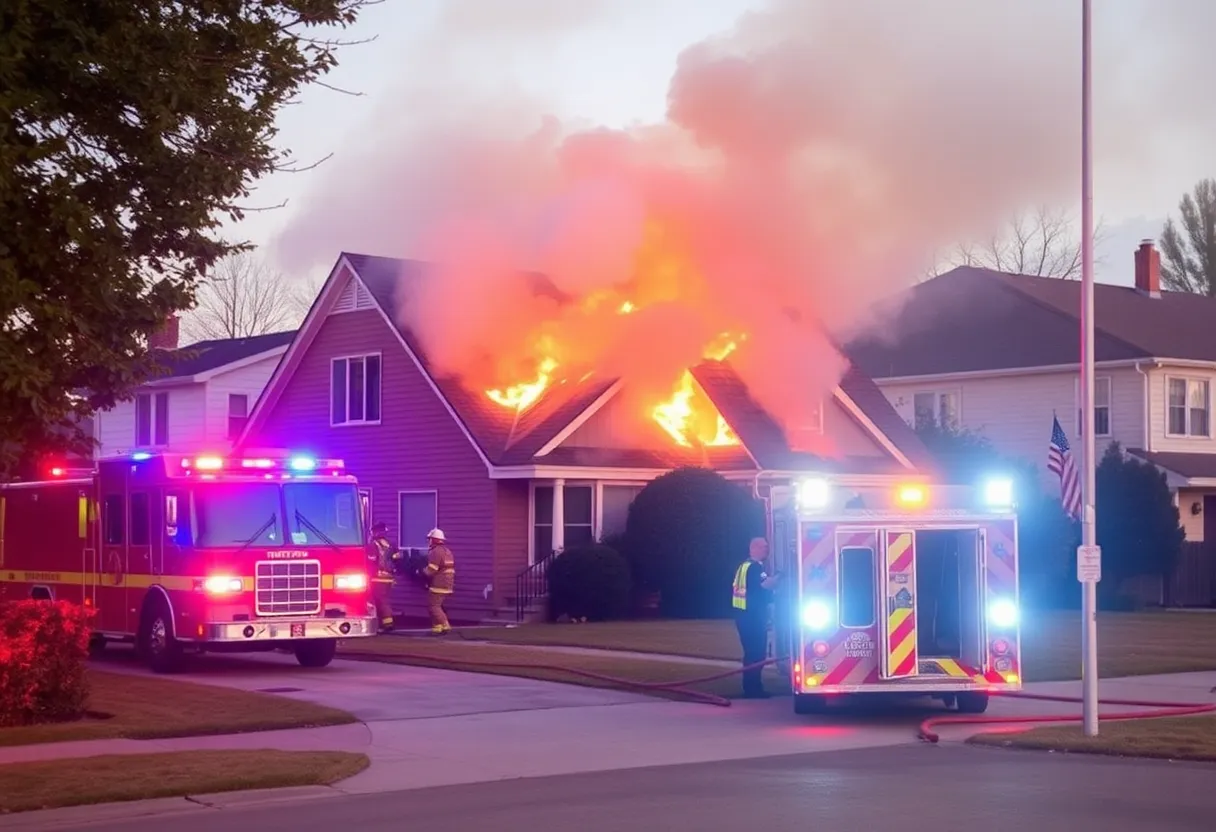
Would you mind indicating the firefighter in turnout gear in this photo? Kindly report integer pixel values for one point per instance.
(441, 580)
(750, 598)
(381, 574)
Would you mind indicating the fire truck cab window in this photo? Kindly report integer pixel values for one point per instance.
(140, 533)
(232, 514)
(857, 587)
(114, 518)
(323, 512)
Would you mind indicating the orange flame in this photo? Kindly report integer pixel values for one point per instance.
(687, 413)
(520, 397)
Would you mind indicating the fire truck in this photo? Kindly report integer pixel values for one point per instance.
(182, 553)
(909, 589)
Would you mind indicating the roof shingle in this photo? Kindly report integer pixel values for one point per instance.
(205, 356)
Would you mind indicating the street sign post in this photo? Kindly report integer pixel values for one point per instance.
(1089, 564)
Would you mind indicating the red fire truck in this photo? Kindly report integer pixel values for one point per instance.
(909, 589)
(203, 553)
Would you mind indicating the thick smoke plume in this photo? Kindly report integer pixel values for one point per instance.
(810, 160)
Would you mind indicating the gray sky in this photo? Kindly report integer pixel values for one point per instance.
(610, 63)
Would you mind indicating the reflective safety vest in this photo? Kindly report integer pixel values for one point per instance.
(738, 598)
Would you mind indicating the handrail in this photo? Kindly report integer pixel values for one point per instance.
(531, 584)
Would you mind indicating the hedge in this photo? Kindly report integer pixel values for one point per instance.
(589, 582)
(43, 648)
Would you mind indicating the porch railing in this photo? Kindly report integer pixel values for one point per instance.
(531, 585)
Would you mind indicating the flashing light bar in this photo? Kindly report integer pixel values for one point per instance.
(912, 495)
(298, 463)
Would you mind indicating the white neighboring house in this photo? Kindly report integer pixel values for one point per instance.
(201, 403)
(999, 354)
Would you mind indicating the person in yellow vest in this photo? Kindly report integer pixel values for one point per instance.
(750, 598)
(441, 580)
(380, 573)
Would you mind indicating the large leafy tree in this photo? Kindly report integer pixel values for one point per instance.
(129, 131)
(1188, 248)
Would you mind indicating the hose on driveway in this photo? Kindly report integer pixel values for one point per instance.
(684, 689)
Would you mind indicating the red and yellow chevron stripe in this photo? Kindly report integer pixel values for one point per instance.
(901, 619)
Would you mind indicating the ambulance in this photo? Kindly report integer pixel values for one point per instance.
(180, 553)
(908, 589)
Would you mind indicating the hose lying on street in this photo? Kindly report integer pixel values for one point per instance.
(1150, 710)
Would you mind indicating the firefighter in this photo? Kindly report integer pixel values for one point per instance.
(441, 580)
(381, 574)
(750, 598)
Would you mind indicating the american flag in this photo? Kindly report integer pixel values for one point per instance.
(1060, 462)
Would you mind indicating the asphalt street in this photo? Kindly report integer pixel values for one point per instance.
(909, 788)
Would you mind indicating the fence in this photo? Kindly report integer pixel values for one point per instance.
(1193, 583)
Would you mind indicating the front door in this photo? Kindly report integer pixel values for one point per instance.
(899, 654)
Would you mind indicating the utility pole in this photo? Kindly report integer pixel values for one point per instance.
(1089, 556)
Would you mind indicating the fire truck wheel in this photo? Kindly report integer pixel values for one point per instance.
(161, 650)
(805, 705)
(317, 653)
(972, 702)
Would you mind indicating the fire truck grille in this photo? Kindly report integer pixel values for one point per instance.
(288, 588)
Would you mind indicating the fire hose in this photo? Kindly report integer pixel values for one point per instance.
(682, 688)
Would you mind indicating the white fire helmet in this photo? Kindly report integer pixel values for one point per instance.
(436, 534)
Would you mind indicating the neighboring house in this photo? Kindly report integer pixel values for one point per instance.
(1000, 353)
(508, 489)
(201, 402)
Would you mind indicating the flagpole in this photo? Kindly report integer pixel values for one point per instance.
(1089, 585)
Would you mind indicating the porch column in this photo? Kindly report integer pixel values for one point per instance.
(559, 515)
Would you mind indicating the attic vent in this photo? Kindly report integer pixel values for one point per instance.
(354, 298)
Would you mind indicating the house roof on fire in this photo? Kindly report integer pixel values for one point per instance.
(972, 320)
(505, 438)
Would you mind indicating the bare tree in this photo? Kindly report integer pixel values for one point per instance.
(241, 297)
(1042, 242)
(1189, 255)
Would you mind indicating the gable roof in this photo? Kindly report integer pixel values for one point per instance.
(972, 320)
(505, 438)
(209, 357)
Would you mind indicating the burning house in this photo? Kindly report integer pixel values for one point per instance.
(512, 472)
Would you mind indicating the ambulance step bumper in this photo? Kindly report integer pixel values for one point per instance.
(289, 629)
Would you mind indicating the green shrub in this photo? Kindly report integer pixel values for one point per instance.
(43, 648)
(590, 582)
(686, 533)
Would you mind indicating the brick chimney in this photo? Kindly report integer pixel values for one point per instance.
(1148, 269)
(167, 336)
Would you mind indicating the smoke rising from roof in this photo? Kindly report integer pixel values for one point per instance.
(811, 159)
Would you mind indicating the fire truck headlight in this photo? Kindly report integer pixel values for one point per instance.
(814, 493)
(816, 616)
(351, 582)
(1003, 613)
(222, 585)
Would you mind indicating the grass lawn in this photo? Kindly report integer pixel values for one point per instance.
(1174, 738)
(451, 654)
(107, 779)
(140, 707)
(1129, 644)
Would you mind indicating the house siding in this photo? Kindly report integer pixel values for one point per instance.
(845, 436)
(115, 428)
(619, 424)
(249, 380)
(417, 446)
(1015, 412)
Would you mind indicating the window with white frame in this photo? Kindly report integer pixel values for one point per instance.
(614, 508)
(1102, 397)
(238, 412)
(577, 516)
(1188, 405)
(354, 390)
(152, 419)
(936, 407)
(417, 515)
